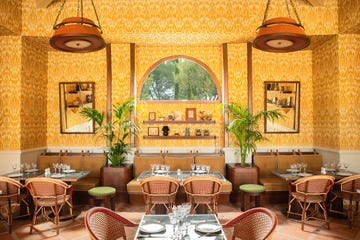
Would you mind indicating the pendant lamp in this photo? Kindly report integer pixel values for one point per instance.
(281, 34)
(77, 34)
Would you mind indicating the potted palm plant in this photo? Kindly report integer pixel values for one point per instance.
(244, 126)
(117, 173)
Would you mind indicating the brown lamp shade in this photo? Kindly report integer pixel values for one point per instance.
(281, 34)
(77, 34)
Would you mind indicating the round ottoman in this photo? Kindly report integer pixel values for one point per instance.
(103, 194)
(249, 192)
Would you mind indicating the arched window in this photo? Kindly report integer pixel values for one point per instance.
(179, 78)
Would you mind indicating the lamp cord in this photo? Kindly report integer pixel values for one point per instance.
(287, 7)
(57, 17)
(97, 17)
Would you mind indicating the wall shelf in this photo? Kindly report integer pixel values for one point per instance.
(179, 121)
(179, 137)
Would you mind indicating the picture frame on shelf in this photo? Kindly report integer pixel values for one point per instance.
(190, 113)
(152, 116)
(153, 131)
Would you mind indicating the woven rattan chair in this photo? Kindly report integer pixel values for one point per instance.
(345, 189)
(311, 193)
(105, 224)
(159, 190)
(254, 224)
(49, 194)
(10, 200)
(203, 190)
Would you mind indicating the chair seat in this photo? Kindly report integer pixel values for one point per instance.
(101, 191)
(252, 188)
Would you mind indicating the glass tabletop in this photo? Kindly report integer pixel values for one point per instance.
(180, 175)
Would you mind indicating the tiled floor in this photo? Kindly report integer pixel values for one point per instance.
(286, 230)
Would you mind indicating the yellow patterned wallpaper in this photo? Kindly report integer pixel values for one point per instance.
(146, 56)
(67, 67)
(187, 22)
(349, 89)
(10, 17)
(33, 93)
(349, 16)
(326, 95)
(295, 66)
(10, 86)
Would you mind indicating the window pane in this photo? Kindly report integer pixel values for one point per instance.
(179, 79)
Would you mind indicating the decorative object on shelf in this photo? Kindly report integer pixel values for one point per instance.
(161, 118)
(205, 116)
(244, 125)
(198, 132)
(152, 116)
(165, 130)
(190, 113)
(116, 130)
(153, 131)
(77, 34)
(170, 117)
(281, 34)
(206, 132)
(187, 131)
(177, 115)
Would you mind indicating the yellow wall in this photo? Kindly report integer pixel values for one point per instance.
(33, 93)
(10, 86)
(295, 66)
(349, 16)
(349, 90)
(10, 17)
(67, 67)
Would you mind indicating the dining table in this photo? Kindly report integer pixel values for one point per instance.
(67, 176)
(197, 226)
(180, 175)
(291, 175)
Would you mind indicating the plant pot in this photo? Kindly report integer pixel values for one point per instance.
(239, 175)
(117, 177)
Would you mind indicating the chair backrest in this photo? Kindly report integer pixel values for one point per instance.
(177, 162)
(254, 224)
(202, 185)
(350, 184)
(10, 187)
(142, 163)
(314, 185)
(216, 163)
(104, 224)
(159, 185)
(47, 188)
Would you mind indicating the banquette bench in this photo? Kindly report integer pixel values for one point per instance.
(83, 161)
(176, 161)
(267, 162)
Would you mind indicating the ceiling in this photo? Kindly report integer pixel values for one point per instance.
(186, 22)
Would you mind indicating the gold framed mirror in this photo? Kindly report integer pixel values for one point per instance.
(284, 96)
(73, 97)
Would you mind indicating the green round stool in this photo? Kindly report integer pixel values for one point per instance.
(103, 194)
(249, 192)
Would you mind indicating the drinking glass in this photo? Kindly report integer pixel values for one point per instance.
(207, 169)
(346, 165)
(34, 165)
(152, 167)
(174, 221)
(14, 166)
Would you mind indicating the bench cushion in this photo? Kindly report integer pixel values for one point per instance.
(274, 184)
(86, 183)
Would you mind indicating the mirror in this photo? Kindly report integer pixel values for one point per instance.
(73, 97)
(284, 96)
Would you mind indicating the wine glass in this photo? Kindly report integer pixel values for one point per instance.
(346, 165)
(174, 221)
(14, 166)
